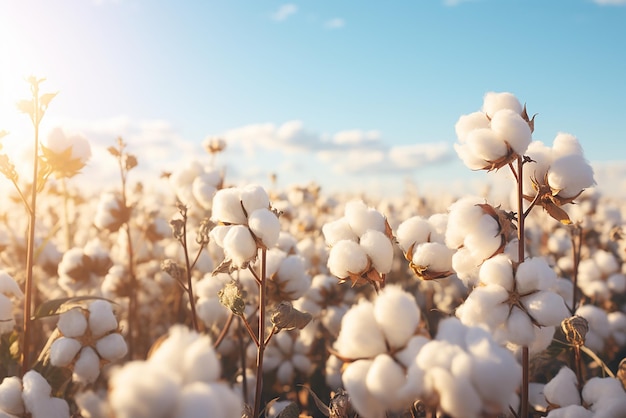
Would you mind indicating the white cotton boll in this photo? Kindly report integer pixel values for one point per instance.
(50, 408)
(354, 381)
(332, 318)
(254, 197)
(239, 245)
(90, 405)
(562, 390)
(35, 387)
(112, 347)
(485, 144)
(601, 392)
(285, 372)
(509, 126)
(379, 249)
(293, 278)
(497, 270)
(466, 267)
(541, 156)
(8, 285)
(72, 323)
(7, 322)
(534, 274)
(409, 353)
(457, 397)
(347, 257)
(617, 322)
(361, 218)
(565, 288)
(548, 308)
(272, 357)
(265, 225)
(439, 224)
(572, 411)
(384, 379)
(617, 282)
(452, 330)
(397, 315)
(485, 305)
(559, 242)
(606, 262)
(471, 160)
(566, 144)
(437, 353)
(437, 257)
(415, 230)
(11, 396)
(87, 367)
(468, 123)
(63, 350)
(486, 239)
(495, 101)
(570, 175)
(597, 319)
(536, 398)
(464, 215)
(519, 328)
(338, 230)
(227, 207)
(218, 234)
(360, 334)
(203, 188)
(101, 318)
(301, 362)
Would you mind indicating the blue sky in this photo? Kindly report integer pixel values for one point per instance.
(340, 92)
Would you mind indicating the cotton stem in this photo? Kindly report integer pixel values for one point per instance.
(261, 339)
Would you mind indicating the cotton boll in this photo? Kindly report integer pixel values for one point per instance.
(509, 126)
(534, 274)
(7, 323)
(227, 207)
(606, 262)
(50, 408)
(485, 305)
(439, 224)
(8, 286)
(265, 225)
(87, 367)
(599, 327)
(617, 282)
(433, 255)
(485, 240)
(437, 353)
(292, 278)
(140, 390)
(63, 350)
(254, 197)
(452, 330)
(203, 188)
(562, 390)
(465, 266)
(468, 123)
(570, 175)
(285, 372)
(112, 347)
(90, 405)
(471, 160)
(566, 144)
(457, 397)
(384, 379)
(498, 270)
(11, 396)
(101, 318)
(361, 218)
(301, 363)
(548, 308)
(72, 323)
(519, 328)
(379, 249)
(494, 101)
(397, 314)
(35, 387)
(414, 230)
(617, 322)
(338, 230)
(409, 353)
(239, 245)
(464, 215)
(572, 411)
(354, 381)
(360, 335)
(484, 144)
(347, 257)
(602, 393)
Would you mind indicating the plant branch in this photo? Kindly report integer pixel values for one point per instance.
(261, 340)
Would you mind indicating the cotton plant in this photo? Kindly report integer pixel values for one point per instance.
(478, 231)
(110, 214)
(288, 279)
(514, 301)
(361, 246)
(30, 396)
(286, 357)
(82, 269)
(181, 378)
(9, 291)
(65, 153)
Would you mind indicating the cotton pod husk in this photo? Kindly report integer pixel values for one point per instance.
(379, 249)
(63, 350)
(227, 207)
(11, 396)
(265, 225)
(101, 318)
(397, 315)
(112, 347)
(562, 390)
(354, 381)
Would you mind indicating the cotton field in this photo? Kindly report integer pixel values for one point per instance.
(211, 298)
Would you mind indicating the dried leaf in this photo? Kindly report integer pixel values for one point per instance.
(286, 317)
(45, 99)
(231, 297)
(26, 106)
(113, 151)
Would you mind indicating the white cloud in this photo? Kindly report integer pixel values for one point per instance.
(419, 155)
(284, 12)
(335, 23)
(610, 2)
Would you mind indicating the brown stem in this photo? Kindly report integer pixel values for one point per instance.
(250, 331)
(261, 349)
(192, 302)
(577, 242)
(66, 215)
(520, 258)
(224, 331)
(242, 353)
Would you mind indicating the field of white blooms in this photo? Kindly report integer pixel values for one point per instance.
(217, 299)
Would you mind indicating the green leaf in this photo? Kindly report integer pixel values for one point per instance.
(58, 306)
